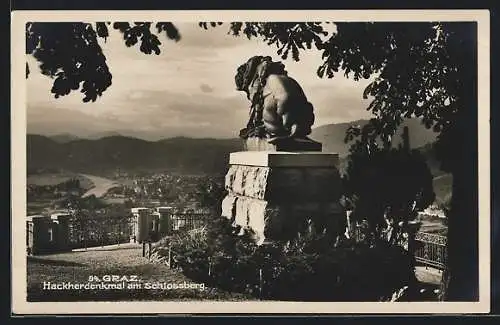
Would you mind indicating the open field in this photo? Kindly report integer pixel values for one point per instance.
(122, 260)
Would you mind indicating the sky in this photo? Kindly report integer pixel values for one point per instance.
(187, 90)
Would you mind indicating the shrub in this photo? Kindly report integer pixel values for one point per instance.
(309, 268)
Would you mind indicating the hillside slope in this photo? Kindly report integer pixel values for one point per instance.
(128, 154)
(332, 135)
(176, 154)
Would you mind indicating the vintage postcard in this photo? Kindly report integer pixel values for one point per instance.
(209, 162)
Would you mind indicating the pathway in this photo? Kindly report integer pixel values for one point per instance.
(122, 260)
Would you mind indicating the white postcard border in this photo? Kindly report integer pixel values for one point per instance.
(18, 172)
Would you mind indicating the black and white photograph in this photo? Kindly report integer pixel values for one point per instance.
(299, 162)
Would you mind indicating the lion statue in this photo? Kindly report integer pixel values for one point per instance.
(279, 107)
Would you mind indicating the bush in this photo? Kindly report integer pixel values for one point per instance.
(309, 268)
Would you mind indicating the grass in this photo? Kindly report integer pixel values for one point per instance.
(123, 260)
(127, 260)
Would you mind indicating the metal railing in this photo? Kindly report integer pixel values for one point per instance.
(188, 221)
(99, 230)
(431, 250)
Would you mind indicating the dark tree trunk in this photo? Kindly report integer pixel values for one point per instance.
(461, 279)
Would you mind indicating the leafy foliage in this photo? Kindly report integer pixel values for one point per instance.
(419, 69)
(142, 31)
(412, 63)
(70, 52)
(417, 66)
(387, 187)
(303, 269)
(94, 222)
(210, 192)
(288, 37)
(426, 70)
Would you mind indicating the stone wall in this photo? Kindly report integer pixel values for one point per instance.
(276, 196)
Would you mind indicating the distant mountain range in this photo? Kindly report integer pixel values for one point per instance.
(332, 135)
(129, 154)
(108, 153)
(67, 137)
(63, 137)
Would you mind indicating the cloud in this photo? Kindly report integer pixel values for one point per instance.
(206, 88)
(193, 36)
(135, 95)
(177, 110)
(186, 90)
(337, 102)
(47, 119)
(153, 115)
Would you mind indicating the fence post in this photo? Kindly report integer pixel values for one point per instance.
(149, 250)
(143, 249)
(261, 283)
(413, 228)
(169, 256)
(209, 266)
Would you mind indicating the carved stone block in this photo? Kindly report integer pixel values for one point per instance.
(282, 184)
(276, 193)
(281, 144)
(275, 221)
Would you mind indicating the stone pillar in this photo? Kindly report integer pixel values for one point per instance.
(63, 232)
(275, 193)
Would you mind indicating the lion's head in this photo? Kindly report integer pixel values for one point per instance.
(256, 66)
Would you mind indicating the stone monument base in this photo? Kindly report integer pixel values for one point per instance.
(275, 194)
(281, 144)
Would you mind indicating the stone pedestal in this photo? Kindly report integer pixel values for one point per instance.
(281, 144)
(276, 193)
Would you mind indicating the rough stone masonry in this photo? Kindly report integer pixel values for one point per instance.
(276, 193)
(283, 181)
